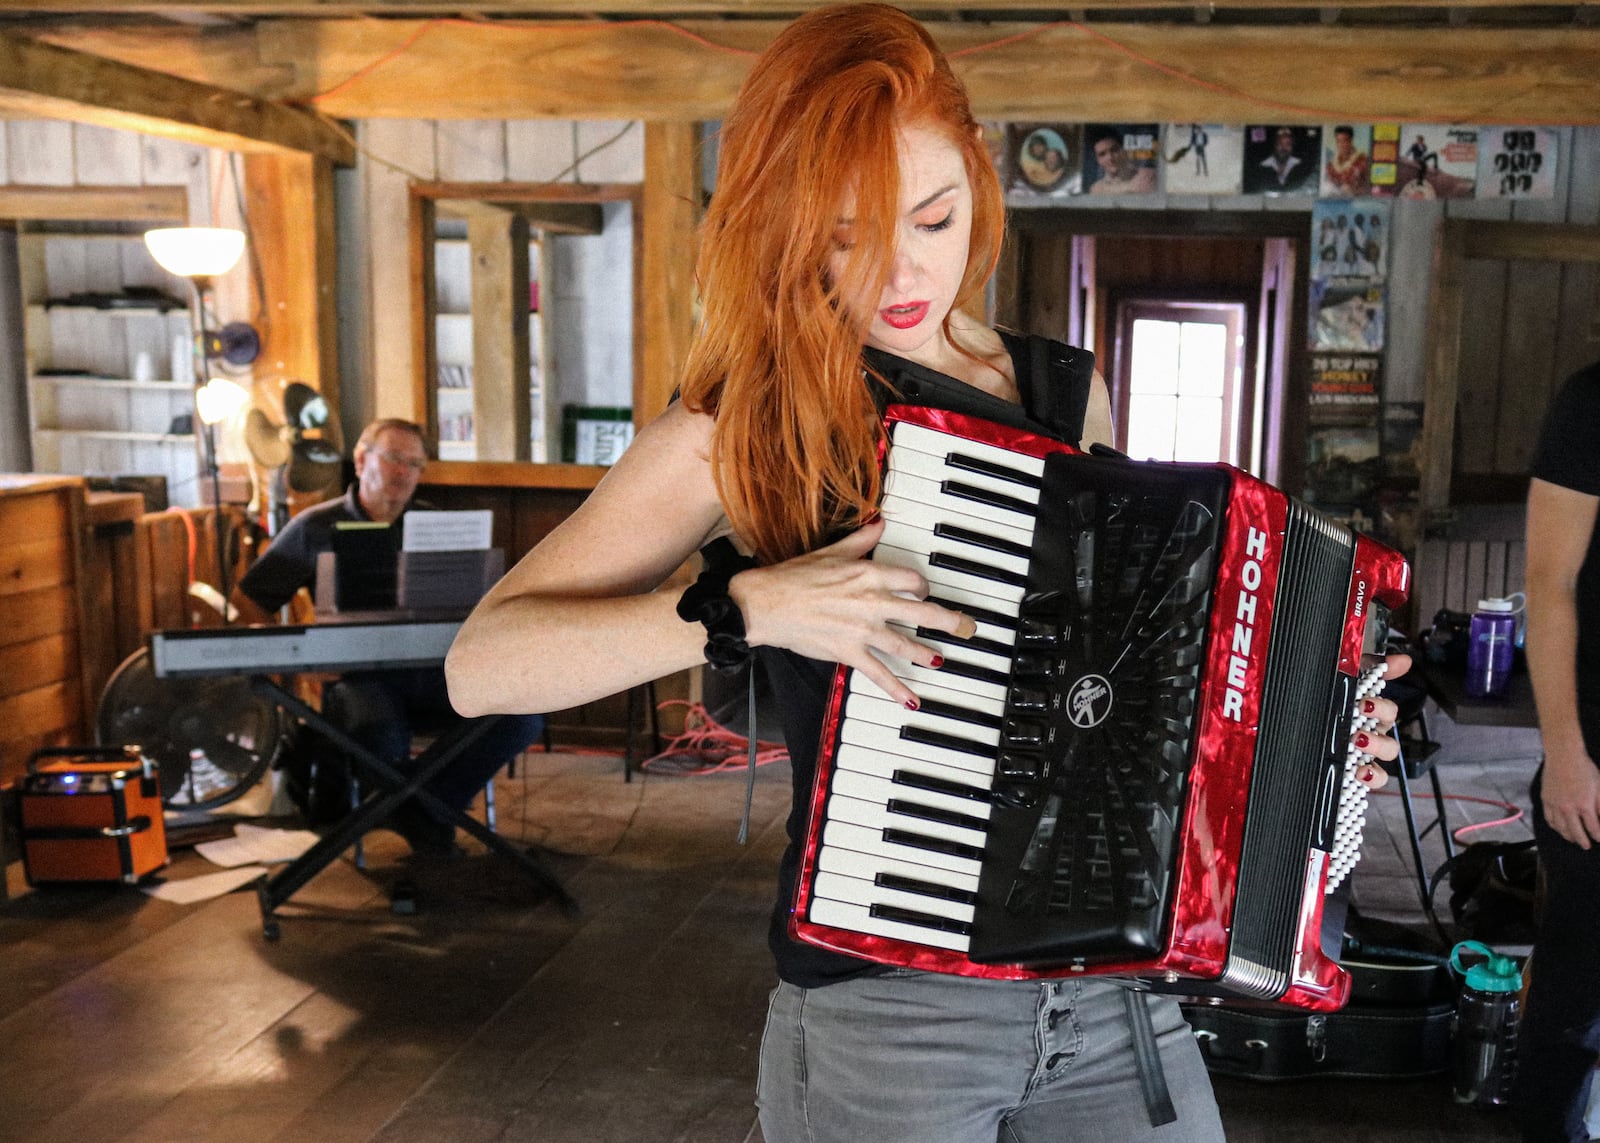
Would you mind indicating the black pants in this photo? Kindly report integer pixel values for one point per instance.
(383, 709)
(1560, 1035)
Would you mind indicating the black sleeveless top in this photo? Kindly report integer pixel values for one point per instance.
(1054, 380)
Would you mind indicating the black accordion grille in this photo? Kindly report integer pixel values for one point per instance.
(1099, 720)
(1300, 739)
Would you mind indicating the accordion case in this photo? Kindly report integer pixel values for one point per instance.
(1137, 766)
(91, 814)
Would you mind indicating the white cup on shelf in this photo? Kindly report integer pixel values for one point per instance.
(144, 367)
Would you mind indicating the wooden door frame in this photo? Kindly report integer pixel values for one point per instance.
(1456, 241)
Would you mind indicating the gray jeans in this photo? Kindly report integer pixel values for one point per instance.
(914, 1057)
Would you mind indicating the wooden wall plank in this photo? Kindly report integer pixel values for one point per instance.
(541, 150)
(106, 156)
(1533, 310)
(470, 151)
(409, 143)
(1482, 354)
(39, 152)
(28, 615)
(38, 662)
(35, 564)
(613, 151)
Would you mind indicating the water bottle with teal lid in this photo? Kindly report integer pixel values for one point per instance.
(1484, 1038)
(1491, 643)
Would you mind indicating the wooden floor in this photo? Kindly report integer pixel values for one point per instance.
(491, 1016)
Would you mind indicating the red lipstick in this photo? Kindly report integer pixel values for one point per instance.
(906, 316)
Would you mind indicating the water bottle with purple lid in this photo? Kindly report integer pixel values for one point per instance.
(1491, 641)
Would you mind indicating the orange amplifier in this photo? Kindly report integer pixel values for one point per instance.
(91, 813)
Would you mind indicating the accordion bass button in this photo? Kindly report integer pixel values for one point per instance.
(1029, 699)
(1018, 768)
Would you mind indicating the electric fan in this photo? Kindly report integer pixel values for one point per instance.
(302, 453)
(213, 737)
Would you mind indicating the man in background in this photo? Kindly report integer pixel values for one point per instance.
(1560, 1036)
(383, 709)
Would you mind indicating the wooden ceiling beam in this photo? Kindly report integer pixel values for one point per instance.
(1113, 72)
(45, 81)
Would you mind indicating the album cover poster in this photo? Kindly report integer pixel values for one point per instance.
(1385, 157)
(1343, 383)
(1120, 158)
(1282, 160)
(1437, 160)
(1346, 160)
(1344, 465)
(1201, 158)
(1346, 317)
(1517, 162)
(1350, 240)
(1043, 161)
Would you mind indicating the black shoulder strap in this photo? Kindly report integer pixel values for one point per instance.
(1059, 381)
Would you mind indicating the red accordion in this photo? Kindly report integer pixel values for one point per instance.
(1136, 766)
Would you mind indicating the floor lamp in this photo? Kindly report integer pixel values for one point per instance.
(201, 253)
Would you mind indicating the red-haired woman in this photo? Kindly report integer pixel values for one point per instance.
(857, 216)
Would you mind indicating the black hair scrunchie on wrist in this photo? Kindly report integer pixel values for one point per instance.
(707, 601)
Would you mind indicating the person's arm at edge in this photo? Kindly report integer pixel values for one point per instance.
(578, 617)
(1560, 523)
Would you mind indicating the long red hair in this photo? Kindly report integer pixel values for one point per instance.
(777, 359)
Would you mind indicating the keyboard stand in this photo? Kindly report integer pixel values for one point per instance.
(389, 789)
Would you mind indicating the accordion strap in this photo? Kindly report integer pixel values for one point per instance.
(1152, 1079)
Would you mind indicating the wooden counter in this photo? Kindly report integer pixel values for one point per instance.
(42, 621)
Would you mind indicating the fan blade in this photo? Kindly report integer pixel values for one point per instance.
(265, 440)
(303, 406)
(314, 466)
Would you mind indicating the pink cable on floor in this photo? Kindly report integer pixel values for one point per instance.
(1515, 815)
(706, 746)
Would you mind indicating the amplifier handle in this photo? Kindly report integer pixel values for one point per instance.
(82, 833)
(96, 753)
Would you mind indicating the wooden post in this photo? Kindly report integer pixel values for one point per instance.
(501, 413)
(1440, 384)
(671, 208)
(290, 204)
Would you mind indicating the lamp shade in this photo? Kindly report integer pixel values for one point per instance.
(219, 399)
(195, 251)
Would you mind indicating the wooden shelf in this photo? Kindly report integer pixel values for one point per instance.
(143, 309)
(90, 380)
(117, 435)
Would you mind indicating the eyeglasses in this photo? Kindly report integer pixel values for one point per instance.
(400, 461)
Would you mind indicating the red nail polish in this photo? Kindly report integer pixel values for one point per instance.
(912, 704)
(938, 661)
(1368, 706)
(1362, 740)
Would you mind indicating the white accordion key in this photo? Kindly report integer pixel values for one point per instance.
(1352, 817)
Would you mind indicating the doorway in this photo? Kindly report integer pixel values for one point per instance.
(1088, 277)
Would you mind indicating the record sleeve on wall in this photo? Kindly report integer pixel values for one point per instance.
(1436, 160)
(1282, 160)
(1043, 161)
(1346, 317)
(1346, 160)
(1345, 383)
(1201, 158)
(1350, 240)
(1120, 158)
(1517, 162)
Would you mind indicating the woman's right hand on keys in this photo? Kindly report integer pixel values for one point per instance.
(836, 605)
